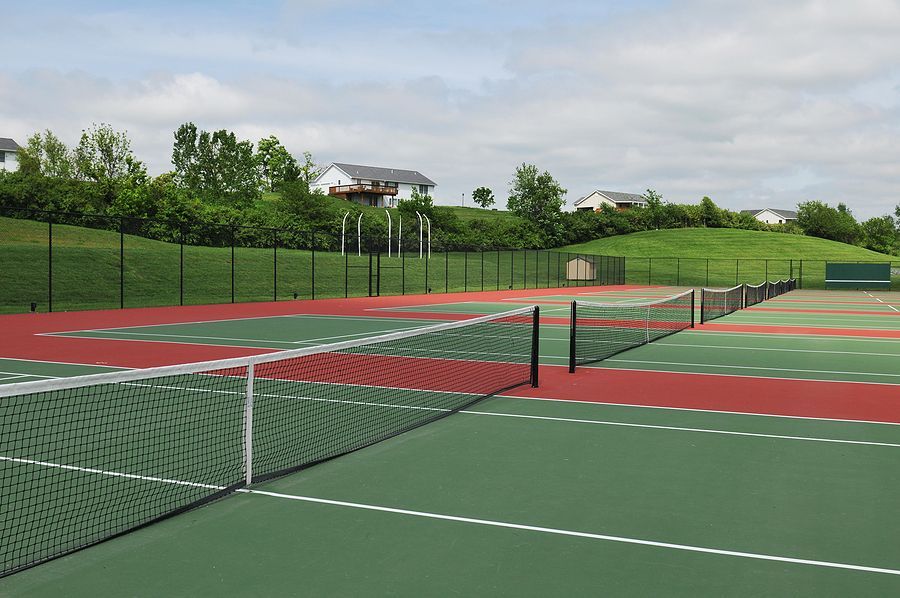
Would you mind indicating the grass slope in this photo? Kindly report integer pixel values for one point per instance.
(86, 271)
(723, 257)
(726, 243)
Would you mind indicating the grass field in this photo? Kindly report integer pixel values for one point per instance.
(726, 243)
(86, 271)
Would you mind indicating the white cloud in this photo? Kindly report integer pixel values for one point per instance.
(746, 102)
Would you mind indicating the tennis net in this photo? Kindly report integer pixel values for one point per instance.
(85, 459)
(755, 294)
(601, 330)
(715, 303)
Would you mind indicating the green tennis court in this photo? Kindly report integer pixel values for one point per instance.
(527, 494)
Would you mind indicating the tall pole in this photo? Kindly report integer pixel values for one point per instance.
(399, 233)
(343, 231)
(428, 220)
(359, 235)
(386, 211)
(420, 233)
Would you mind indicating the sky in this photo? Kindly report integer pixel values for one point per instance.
(754, 104)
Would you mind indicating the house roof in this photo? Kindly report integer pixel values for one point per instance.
(616, 196)
(7, 144)
(786, 214)
(385, 174)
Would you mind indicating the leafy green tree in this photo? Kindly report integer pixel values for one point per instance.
(215, 166)
(654, 209)
(538, 198)
(881, 234)
(308, 170)
(818, 219)
(311, 208)
(31, 156)
(47, 155)
(103, 155)
(710, 214)
(276, 164)
(483, 196)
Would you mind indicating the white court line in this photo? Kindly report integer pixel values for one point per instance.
(477, 521)
(853, 339)
(573, 533)
(813, 324)
(12, 376)
(750, 367)
(715, 411)
(658, 344)
(155, 334)
(140, 340)
(880, 301)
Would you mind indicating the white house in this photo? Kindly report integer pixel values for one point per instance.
(8, 154)
(615, 199)
(372, 185)
(772, 216)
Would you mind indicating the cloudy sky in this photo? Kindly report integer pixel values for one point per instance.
(762, 103)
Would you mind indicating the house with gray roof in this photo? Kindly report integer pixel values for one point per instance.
(615, 199)
(772, 216)
(372, 185)
(9, 151)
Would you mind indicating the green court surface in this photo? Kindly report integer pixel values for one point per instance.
(527, 497)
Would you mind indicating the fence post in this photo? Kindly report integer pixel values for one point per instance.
(649, 271)
(466, 271)
(707, 271)
(427, 259)
(378, 274)
(370, 273)
(312, 274)
(446, 270)
(767, 269)
(121, 262)
(181, 264)
(737, 269)
(482, 268)
(275, 265)
(678, 272)
(346, 274)
(232, 264)
(801, 274)
(50, 264)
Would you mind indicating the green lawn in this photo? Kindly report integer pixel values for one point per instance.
(86, 271)
(722, 257)
(726, 243)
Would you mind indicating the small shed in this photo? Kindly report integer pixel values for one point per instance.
(580, 268)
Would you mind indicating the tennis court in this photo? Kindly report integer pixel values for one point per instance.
(755, 454)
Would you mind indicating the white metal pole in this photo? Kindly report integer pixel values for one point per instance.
(248, 427)
(428, 220)
(359, 235)
(399, 234)
(343, 231)
(420, 233)
(386, 211)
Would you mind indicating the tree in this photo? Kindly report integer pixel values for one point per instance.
(309, 170)
(483, 196)
(538, 198)
(276, 164)
(215, 166)
(710, 213)
(881, 234)
(818, 219)
(46, 155)
(654, 208)
(103, 155)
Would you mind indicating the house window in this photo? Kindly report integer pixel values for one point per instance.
(2, 157)
(423, 189)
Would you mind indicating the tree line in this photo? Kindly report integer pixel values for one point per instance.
(219, 180)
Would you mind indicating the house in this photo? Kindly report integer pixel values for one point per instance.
(371, 185)
(772, 216)
(620, 201)
(8, 154)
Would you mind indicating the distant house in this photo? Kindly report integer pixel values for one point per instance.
(9, 150)
(372, 185)
(772, 216)
(620, 201)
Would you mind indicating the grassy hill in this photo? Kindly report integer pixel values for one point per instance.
(726, 243)
(723, 257)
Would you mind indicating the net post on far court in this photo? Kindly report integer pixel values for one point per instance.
(600, 330)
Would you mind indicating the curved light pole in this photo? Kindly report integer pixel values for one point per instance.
(359, 235)
(344, 231)
(386, 211)
(428, 220)
(420, 233)
(399, 234)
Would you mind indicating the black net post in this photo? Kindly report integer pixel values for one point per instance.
(693, 306)
(275, 265)
(312, 268)
(535, 345)
(181, 265)
(232, 264)
(572, 320)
